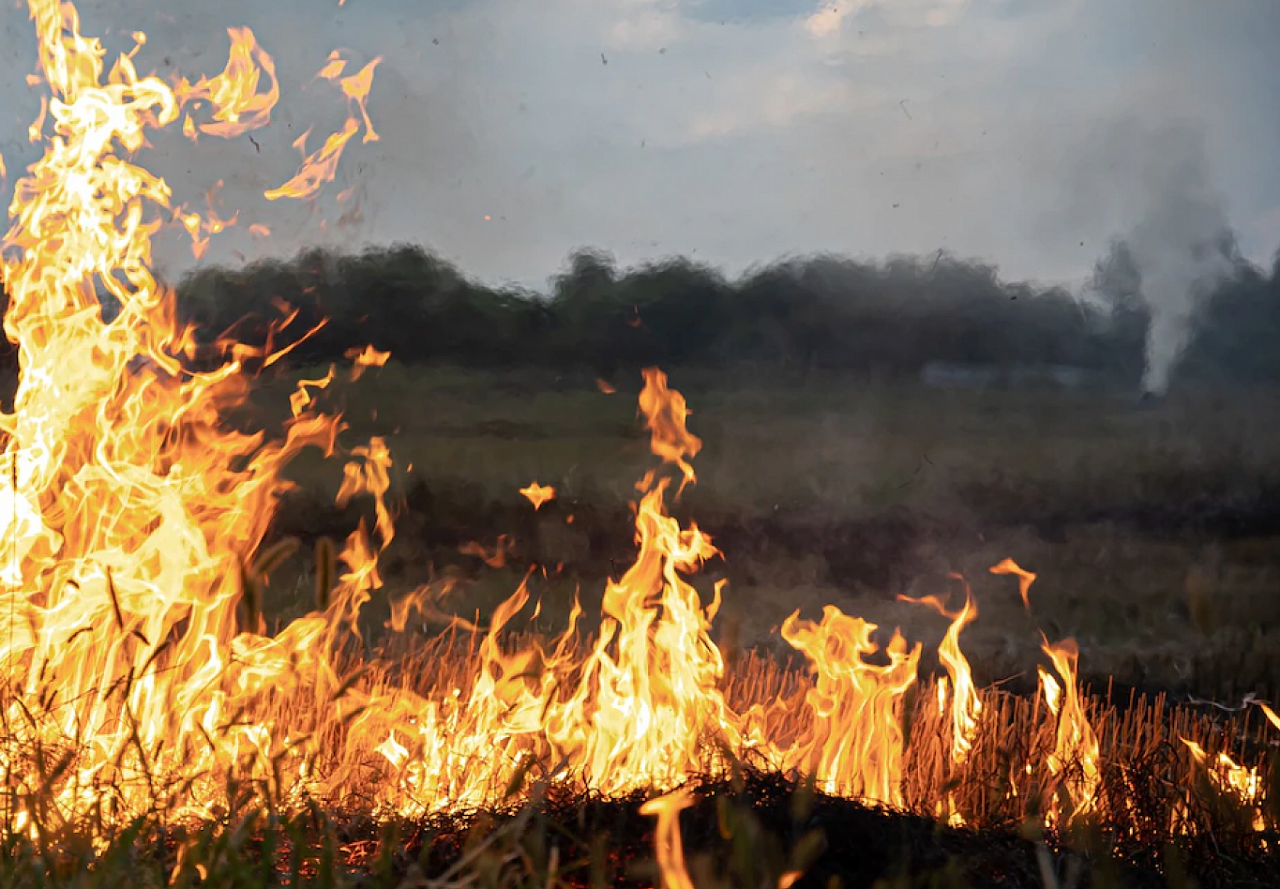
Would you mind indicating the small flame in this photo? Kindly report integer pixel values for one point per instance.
(665, 414)
(1271, 715)
(1075, 753)
(667, 845)
(355, 87)
(318, 168)
(238, 105)
(538, 494)
(1025, 578)
(1229, 776)
(966, 704)
(362, 359)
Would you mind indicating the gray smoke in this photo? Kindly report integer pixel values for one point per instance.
(1181, 248)
(1150, 183)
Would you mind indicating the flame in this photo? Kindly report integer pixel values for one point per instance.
(1074, 759)
(238, 105)
(856, 745)
(321, 166)
(1230, 777)
(129, 513)
(665, 414)
(495, 558)
(965, 703)
(136, 557)
(202, 228)
(1025, 578)
(365, 358)
(538, 494)
(666, 838)
(355, 87)
(317, 168)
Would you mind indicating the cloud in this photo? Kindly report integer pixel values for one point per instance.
(734, 131)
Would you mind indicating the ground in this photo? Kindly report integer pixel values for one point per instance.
(1154, 529)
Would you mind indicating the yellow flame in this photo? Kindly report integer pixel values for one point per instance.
(234, 94)
(538, 494)
(1229, 776)
(666, 839)
(966, 704)
(1075, 754)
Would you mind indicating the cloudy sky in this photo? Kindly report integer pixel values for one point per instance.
(1025, 132)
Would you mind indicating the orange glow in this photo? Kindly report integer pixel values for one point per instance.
(1232, 778)
(495, 558)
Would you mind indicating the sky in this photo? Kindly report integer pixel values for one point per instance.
(1026, 133)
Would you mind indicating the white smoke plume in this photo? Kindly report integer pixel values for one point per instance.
(1178, 238)
(1181, 249)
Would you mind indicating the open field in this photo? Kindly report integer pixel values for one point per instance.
(1155, 532)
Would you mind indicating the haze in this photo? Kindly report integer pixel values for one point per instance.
(1019, 131)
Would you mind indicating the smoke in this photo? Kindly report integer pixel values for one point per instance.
(1181, 248)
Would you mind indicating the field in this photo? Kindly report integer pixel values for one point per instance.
(1154, 530)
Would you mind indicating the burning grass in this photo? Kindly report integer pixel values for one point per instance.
(154, 728)
(746, 827)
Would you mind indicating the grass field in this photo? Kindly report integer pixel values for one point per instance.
(1155, 531)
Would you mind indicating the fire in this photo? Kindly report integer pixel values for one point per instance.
(1074, 759)
(667, 844)
(1025, 578)
(538, 494)
(238, 104)
(965, 704)
(136, 557)
(1230, 777)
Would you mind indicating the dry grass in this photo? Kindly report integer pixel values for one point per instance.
(1155, 532)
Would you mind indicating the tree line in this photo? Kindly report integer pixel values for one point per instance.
(820, 312)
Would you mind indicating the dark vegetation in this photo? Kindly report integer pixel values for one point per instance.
(800, 314)
(821, 312)
(746, 832)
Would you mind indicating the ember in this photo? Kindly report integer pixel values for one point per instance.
(141, 679)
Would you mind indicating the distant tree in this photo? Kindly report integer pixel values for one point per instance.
(800, 313)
